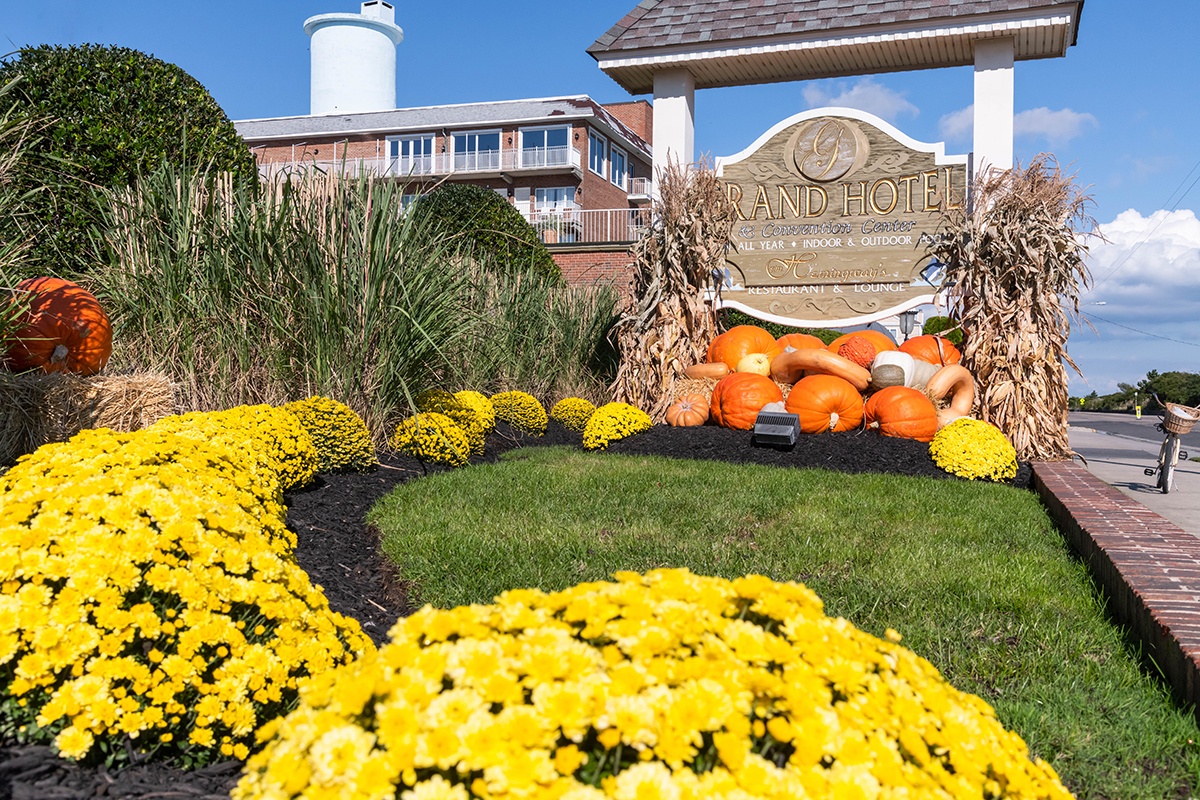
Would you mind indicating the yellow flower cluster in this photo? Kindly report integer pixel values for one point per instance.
(613, 421)
(667, 685)
(972, 448)
(149, 599)
(433, 437)
(265, 437)
(521, 410)
(573, 413)
(465, 415)
(482, 405)
(339, 435)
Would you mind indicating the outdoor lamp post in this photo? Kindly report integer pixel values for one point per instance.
(907, 320)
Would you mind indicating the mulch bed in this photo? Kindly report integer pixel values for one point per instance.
(340, 552)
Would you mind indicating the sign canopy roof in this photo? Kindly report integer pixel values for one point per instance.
(740, 42)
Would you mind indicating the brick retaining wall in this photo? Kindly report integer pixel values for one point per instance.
(1148, 567)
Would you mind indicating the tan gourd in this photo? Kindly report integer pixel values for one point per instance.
(955, 385)
(791, 366)
(718, 369)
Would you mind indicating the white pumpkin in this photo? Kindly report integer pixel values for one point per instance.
(894, 368)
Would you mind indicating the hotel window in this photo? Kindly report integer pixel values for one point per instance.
(544, 147)
(554, 199)
(477, 150)
(619, 168)
(597, 153)
(411, 155)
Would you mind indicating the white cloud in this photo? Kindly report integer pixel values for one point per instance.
(1144, 305)
(1055, 127)
(865, 94)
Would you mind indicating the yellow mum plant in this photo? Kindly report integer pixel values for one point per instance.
(266, 437)
(573, 413)
(339, 435)
(521, 410)
(149, 601)
(432, 437)
(613, 421)
(482, 404)
(465, 415)
(972, 448)
(664, 685)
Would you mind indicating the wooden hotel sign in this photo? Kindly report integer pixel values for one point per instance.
(835, 208)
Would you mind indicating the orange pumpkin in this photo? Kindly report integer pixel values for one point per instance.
(737, 399)
(64, 330)
(825, 403)
(736, 343)
(880, 340)
(934, 349)
(859, 350)
(799, 341)
(902, 412)
(688, 411)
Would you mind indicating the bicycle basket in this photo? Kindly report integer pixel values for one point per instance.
(1179, 419)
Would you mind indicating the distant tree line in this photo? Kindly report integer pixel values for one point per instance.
(1171, 387)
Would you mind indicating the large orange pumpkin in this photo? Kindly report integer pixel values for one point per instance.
(799, 341)
(64, 330)
(902, 412)
(881, 340)
(825, 403)
(925, 347)
(737, 399)
(736, 343)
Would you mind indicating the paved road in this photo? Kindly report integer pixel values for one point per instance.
(1117, 447)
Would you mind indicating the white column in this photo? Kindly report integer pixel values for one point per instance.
(674, 118)
(993, 143)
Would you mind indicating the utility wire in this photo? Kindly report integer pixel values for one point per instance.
(1144, 333)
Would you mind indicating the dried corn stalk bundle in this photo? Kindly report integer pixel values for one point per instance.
(666, 325)
(1015, 263)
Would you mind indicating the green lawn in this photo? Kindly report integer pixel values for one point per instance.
(975, 577)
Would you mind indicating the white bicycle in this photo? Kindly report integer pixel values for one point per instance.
(1177, 420)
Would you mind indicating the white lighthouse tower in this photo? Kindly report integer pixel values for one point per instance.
(353, 59)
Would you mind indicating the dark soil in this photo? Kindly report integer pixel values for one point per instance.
(339, 551)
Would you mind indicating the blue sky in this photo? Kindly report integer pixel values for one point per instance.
(1120, 112)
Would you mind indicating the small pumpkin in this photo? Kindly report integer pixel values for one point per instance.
(894, 368)
(879, 339)
(799, 341)
(859, 350)
(688, 411)
(825, 403)
(902, 412)
(64, 330)
(738, 397)
(738, 342)
(758, 363)
(933, 349)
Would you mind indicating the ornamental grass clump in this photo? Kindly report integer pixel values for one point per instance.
(268, 437)
(573, 413)
(465, 415)
(433, 438)
(664, 685)
(339, 435)
(613, 421)
(149, 602)
(972, 448)
(521, 410)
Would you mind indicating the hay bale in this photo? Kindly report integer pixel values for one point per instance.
(36, 408)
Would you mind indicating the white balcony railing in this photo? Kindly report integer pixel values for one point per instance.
(596, 226)
(640, 188)
(484, 161)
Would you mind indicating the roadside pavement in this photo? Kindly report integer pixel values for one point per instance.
(1119, 461)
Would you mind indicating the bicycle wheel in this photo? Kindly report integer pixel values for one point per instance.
(1167, 459)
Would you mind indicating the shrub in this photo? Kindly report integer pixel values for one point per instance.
(573, 413)
(972, 448)
(662, 685)
(432, 437)
(149, 602)
(482, 405)
(339, 435)
(106, 116)
(465, 415)
(945, 326)
(613, 421)
(492, 226)
(521, 410)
